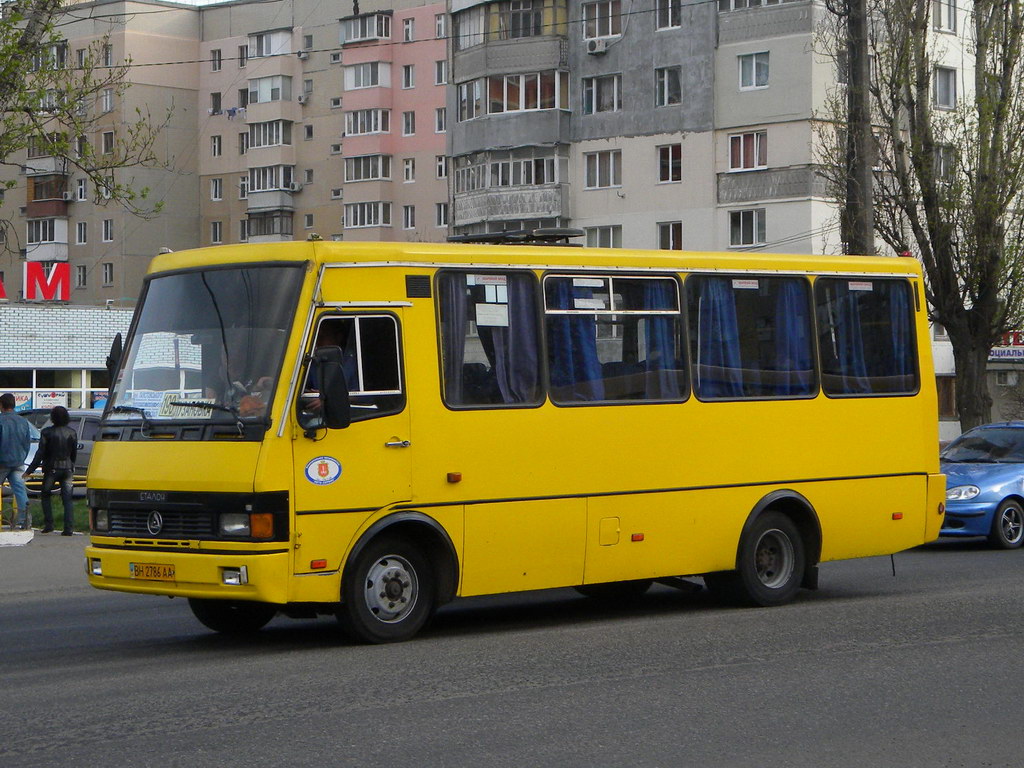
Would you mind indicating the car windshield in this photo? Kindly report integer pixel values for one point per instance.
(1005, 444)
(207, 345)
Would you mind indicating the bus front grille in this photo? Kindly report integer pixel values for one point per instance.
(172, 525)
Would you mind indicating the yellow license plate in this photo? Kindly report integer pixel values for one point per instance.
(151, 571)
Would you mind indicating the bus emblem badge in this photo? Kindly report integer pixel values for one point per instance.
(323, 470)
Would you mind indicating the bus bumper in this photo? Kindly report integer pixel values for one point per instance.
(257, 576)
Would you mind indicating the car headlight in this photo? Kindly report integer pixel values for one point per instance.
(234, 524)
(100, 520)
(962, 492)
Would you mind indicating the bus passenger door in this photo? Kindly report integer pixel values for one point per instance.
(343, 474)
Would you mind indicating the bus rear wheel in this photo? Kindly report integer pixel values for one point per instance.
(770, 564)
(232, 617)
(388, 593)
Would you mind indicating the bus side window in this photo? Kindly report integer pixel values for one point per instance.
(371, 362)
(866, 336)
(490, 339)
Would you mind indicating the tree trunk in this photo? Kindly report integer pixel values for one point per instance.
(973, 401)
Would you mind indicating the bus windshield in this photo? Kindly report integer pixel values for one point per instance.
(208, 345)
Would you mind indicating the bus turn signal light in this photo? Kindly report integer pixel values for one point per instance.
(261, 525)
(454, 477)
(317, 565)
(897, 515)
(637, 537)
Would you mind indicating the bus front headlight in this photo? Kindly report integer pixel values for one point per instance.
(100, 520)
(962, 492)
(234, 524)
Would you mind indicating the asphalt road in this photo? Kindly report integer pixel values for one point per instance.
(924, 669)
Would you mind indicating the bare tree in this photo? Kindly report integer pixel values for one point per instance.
(949, 165)
(55, 107)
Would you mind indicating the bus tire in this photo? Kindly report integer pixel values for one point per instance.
(615, 591)
(232, 617)
(1007, 526)
(388, 593)
(770, 564)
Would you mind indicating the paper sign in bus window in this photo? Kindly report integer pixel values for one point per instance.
(492, 314)
(486, 280)
(859, 285)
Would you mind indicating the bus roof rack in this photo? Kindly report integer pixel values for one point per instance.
(542, 236)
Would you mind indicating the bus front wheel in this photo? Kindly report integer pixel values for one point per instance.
(388, 593)
(231, 617)
(770, 564)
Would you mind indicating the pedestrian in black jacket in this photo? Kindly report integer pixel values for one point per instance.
(58, 446)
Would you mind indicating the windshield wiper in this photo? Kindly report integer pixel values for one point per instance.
(215, 407)
(134, 409)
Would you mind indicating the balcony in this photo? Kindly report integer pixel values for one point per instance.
(46, 252)
(511, 203)
(270, 200)
(48, 165)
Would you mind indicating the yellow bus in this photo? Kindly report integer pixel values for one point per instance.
(373, 429)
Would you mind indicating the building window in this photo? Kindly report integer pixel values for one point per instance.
(308, 175)
(215, 146)
(243, 143)
(107, 100)
(108, 55)
(409, 169)
(335, 57)
(267, 89)
(307, 220)
(336, 193)
(945, 162)
(216, 189)
(81, 276)
(670, 163)
(602, 94)
(748, 151)
(108, 142)
(441, 72)
(670, 235)
(269, 43)
(307, 42)
(668, 14)
(243, 231)
(440, 26)
(335, 149)
(944, 15)
(271, 177)
(602, 19)
(81, 233)
(81, 189)
(270, 134)
(513, 93)
(604, 237)
(270, 223)
(369, 74)
(108, 231)
(215, 60)
(363, 121)
(307, 132)
(669, 86)
(441, 214)
(40, 231)
(408, 76)
(108, 273)
(945, 88)
(440, 167)
(368, 168)
(747, 227)
(243, 56)
(603, 169)
(408, 123)
(216, 236)
(408, 30)
(373, 26)
(376, 214)
(336, 102)
(440, 120)
(753, 71)
(307, 87)
(408, 217)
(243, 187)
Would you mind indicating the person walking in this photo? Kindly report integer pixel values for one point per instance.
(15, 441)
(58, 447)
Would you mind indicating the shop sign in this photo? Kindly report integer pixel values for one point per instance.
(1010, 347)
(50, 399)
(40, 285)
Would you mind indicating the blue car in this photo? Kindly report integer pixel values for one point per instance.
(984, 470)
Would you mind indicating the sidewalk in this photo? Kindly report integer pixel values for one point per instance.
(50, 565)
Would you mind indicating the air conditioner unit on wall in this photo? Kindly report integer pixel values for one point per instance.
(295, 186)
(302, 98)
(67, 197)
(303, 54)
(597, 46)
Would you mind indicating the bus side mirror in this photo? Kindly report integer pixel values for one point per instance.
(336, 408)
(114, 358)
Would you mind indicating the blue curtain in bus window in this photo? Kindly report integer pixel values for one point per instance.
(793, 338)
(718, 351)
(662, 381)
(512, 349)
(454, 327)
(902, 334)
(572, 352)
(850, 341)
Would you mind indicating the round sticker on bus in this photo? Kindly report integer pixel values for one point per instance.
(323, 470)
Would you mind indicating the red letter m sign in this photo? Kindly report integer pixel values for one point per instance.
(42, 287)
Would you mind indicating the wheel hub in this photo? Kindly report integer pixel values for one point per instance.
(391, 589)
(774, 558)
